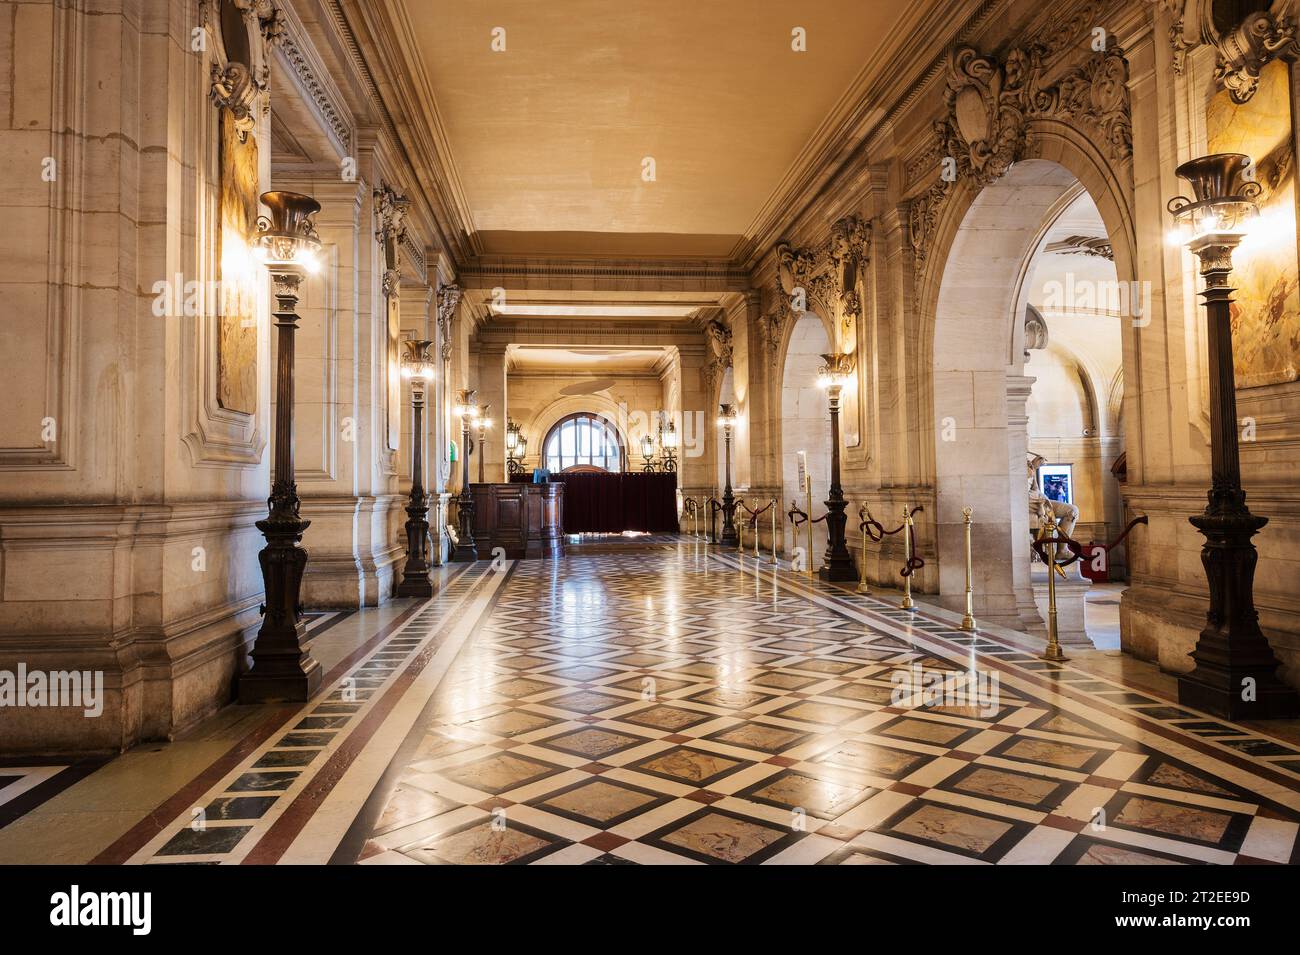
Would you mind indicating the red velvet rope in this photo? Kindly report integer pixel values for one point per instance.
(876, 532)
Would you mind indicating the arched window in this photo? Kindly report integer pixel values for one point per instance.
(582, 441)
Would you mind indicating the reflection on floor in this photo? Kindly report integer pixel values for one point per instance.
(671, 706)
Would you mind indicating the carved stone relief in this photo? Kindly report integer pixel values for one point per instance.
(243, 32)
(390, 211)
(448, 300)
(824, 279)
(1241, 51)
(990, 105)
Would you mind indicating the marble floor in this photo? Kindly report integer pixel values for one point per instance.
(660, 703)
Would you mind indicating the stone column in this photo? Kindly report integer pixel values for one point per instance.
(492, 373)
(698, 458)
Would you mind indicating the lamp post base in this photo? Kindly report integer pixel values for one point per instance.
(837, 563)
(729, 537)
(1220, 693)
(415, 575)
(415, 583)
(288, 678)
(465, 550)
(282, 670)
(1235, 676)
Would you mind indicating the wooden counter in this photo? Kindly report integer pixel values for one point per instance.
(526, 520)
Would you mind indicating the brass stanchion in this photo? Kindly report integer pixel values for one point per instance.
(809, 556)
(740, 537)
(1053, 651)
(862, 523)
(968, 619)
(757, 556)
(907, 603)
(773, 507)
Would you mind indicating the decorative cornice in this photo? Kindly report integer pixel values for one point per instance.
(304, 64)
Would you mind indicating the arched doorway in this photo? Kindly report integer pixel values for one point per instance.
(996, 267)
(805, 426)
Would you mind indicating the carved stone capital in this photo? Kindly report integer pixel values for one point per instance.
(390, 209)
(720, 341)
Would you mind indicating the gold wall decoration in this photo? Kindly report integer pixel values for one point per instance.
(1266, 306)
(237, 314)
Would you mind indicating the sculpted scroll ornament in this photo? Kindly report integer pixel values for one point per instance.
(390, 209)
(1260, 37)
(237, 85)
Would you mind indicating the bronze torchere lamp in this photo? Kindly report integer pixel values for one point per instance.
(1235, 671)
(465, 549)
(418, 369)
(282, 669)
(838, 562)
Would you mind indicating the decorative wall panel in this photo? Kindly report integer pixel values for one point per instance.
(1266, 306)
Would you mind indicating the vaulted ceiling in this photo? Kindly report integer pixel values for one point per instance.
(550, 137)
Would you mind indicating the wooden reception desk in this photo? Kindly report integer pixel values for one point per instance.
(526, 520)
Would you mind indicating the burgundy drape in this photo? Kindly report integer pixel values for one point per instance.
(602, 503)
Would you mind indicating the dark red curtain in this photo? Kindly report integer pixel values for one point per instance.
(597, 502)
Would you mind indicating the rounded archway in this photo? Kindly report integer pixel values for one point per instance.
(981, 385)
(805, 427)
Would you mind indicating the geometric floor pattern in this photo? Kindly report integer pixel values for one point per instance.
(663, 703)
(669, 707)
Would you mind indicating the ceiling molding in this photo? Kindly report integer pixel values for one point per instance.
(402, 98)
(877, 96)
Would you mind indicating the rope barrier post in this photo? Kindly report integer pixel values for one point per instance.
(809, 556)
(907, 603)
(1053, 651)
(773, 506)
(740, 538)
(757, 556)
(862, 524)
(968, 619)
